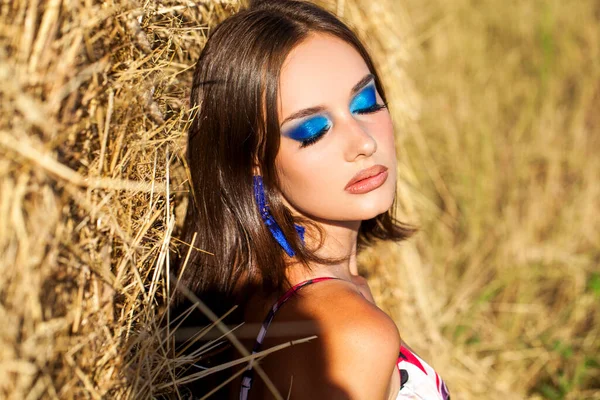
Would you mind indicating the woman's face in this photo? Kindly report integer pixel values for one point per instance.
(333, 126)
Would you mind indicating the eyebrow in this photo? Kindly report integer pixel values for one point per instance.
(305, 112)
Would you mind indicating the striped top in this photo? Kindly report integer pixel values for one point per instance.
(418, 380)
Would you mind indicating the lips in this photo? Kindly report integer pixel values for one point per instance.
(365, 174)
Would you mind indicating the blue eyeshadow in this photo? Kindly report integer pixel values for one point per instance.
(365, 99)
(309, 128)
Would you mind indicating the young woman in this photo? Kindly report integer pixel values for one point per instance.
(293, 170)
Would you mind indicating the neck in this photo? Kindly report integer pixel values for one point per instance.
(340, 241)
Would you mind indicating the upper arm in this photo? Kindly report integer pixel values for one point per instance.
(362, 345)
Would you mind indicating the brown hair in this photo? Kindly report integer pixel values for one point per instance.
(235, 89)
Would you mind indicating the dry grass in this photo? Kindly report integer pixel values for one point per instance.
(507, 184)
(498, 136)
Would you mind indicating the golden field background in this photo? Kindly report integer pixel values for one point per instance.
(496, 109)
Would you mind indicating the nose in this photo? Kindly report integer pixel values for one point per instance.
(359, 141)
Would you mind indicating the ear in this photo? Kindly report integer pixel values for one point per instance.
(256, 166)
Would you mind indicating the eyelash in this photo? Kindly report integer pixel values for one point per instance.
(319, 135)
(372, 109)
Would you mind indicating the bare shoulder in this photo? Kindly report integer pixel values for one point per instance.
(343, 311)
(361, 342)
(353, 357)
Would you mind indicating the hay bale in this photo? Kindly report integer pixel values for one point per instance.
(93, 120)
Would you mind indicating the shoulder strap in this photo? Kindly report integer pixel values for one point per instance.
(247, 376)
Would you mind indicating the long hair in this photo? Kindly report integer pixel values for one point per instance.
(234, 93)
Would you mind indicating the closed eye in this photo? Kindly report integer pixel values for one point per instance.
(310, 130)
(365, 101)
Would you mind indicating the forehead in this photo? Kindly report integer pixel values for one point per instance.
(319, 70)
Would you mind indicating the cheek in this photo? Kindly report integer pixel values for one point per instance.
(293, 167)
(383, 132)
(304, 173)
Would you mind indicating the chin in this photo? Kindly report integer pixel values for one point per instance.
(370, 207)
(373, 214)
(372, 210)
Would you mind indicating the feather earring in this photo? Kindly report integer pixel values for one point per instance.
(265, 213)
